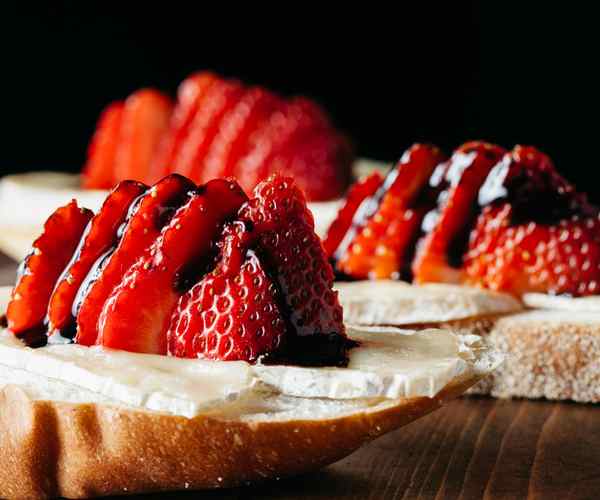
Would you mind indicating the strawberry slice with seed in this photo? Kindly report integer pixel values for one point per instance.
(289, 247)
(146, 219)
(99, 237)
(382, 242)
(98, 172)
(136, 316)
(232, 313)
(535, 232)
(219, 98)
(144, 122)
(237, 125)
(40, 270)
(440, 252)
(190, 94)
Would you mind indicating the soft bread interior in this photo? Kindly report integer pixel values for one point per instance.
(398, 303)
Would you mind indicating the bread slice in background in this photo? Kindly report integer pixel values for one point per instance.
(551, 353)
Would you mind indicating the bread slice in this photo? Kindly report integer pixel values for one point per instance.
(551, 353)
(54, 449)
(64, 432)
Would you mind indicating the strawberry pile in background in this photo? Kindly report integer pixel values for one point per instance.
(218, 128)
(504, 220)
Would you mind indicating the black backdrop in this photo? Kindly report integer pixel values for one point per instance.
(443, 72)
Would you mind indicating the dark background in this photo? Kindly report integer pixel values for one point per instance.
(443, 72)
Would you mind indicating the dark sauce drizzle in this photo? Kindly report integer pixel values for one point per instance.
(365, 211)
(165, 214)
(425, 201)
(530, 201)
(36, 336)
(317, 349)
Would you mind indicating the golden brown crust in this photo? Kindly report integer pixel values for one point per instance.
(57, 449)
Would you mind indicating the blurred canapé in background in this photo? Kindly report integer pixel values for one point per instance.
(439, 72)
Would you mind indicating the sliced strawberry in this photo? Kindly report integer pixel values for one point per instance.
(232, 313)
(190, 94)
(136, 316)
(562, 258)
(359, 191)
(219, 98)
(144, 122)
(40, 270)
(527, 179)
(237, 125)
(440, 252)
(262, 153)
(380, 242)
(100, 236)
(289, 247)
(146, 219)
(319, 162)
(535, 233)
(99, 169)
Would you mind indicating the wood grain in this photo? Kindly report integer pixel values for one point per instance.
(473, 448)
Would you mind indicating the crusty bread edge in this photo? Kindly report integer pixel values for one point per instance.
(546, 355)
(80, 450)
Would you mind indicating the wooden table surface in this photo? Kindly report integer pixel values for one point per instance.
(472, 448)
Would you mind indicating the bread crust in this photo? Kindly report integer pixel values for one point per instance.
(52, 449)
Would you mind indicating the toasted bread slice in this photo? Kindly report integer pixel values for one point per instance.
(551, 353)
(65, 432)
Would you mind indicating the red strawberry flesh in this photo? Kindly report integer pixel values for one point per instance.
(190, 94)
(290, 249)
(232, 313)
(439, 255)
(386, 225)
(146, 219)
(136, 316)
(219, 98)
(270, 295)
(359, 191)
(99, 172)
(144, 122)
(237, 125)
(100, 236)
(40, 270)
(535, 232)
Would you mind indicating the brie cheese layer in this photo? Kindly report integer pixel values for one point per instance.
(398, 303)
(389, 363)
(559, 303)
